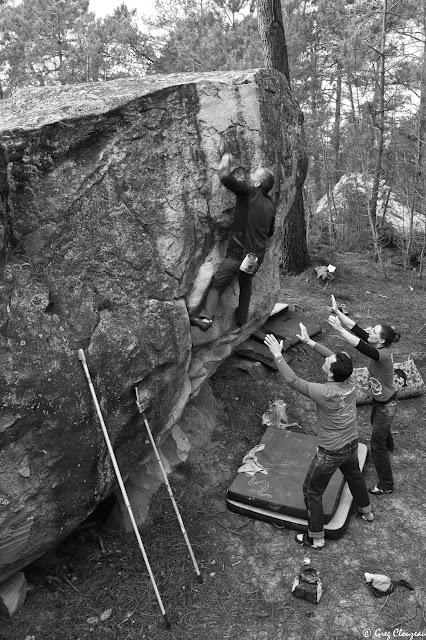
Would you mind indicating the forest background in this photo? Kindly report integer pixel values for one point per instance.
(357, 68)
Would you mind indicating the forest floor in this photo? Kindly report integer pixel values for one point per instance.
(95, 584)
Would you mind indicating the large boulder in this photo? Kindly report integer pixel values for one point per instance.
(112, 223)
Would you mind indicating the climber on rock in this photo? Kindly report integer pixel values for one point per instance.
(252, 225)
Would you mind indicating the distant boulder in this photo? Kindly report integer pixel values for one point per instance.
(347, 205)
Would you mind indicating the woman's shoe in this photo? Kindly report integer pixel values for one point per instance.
(379, 492)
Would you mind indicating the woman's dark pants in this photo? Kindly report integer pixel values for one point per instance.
(382, 442)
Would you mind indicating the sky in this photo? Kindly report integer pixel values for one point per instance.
(106, 7)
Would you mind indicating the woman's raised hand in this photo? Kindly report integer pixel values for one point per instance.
(335, 323)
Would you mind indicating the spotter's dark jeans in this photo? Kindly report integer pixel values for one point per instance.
(322, 467)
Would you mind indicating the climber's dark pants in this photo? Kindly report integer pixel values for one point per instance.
(228, 269)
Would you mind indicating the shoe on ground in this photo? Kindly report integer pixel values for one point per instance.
(368, 517)
(379, 492)
(306, 541)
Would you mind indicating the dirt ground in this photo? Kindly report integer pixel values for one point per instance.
(95, 585)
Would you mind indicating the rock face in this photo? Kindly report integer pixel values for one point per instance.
(112, 223)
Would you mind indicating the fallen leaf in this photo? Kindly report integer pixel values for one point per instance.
(321, 272)
(105, 615)
(24, 472)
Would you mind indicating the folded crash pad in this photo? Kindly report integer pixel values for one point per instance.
(408, 381)
(285, 325)
(277, 496)
(258, 351)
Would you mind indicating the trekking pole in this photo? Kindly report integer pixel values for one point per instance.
(82, 358)
(169, 489)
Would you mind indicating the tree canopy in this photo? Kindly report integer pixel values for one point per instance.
(356, 68)
(59, 41)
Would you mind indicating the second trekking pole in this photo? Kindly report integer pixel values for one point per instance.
(169, 489)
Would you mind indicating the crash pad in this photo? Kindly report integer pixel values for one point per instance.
(407, 378)
(256, 350)
(277, 496)
(284, 325)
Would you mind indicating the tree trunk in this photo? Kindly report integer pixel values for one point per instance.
(420, 169)
(295, 256)
(60, 52)
(351, 96)
(337, 120)
(381, 122)
(385, 206)
(316, 142)
(271, 31)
